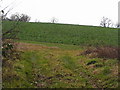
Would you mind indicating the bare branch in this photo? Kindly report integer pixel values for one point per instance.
(106, 22)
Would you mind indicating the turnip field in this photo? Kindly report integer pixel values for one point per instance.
(66, 34)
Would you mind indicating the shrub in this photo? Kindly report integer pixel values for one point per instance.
(9, 51)
(108, 52)
(103, 52)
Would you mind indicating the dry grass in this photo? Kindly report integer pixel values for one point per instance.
(28, 46)
(103, 52)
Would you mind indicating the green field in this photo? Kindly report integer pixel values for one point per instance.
(66, 34)
(51, 57)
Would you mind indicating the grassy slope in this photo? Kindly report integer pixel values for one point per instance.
(66, 34)
(59, 65)
(54, 66)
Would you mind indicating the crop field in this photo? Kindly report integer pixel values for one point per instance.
(66, 34)
(62, 56)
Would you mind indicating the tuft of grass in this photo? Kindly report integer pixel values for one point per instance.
(106, 71)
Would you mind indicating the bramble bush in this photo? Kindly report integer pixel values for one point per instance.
(9, 51)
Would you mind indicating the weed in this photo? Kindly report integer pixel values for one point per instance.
(106, 71)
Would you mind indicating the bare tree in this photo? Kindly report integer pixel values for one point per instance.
(106, 22)
(54, 20)
(14, 17)
(20, 17)
(36, 20)
(24, 18)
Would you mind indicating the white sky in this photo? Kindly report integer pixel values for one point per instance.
(83, 12)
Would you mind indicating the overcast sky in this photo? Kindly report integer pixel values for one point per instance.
(83, 12)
